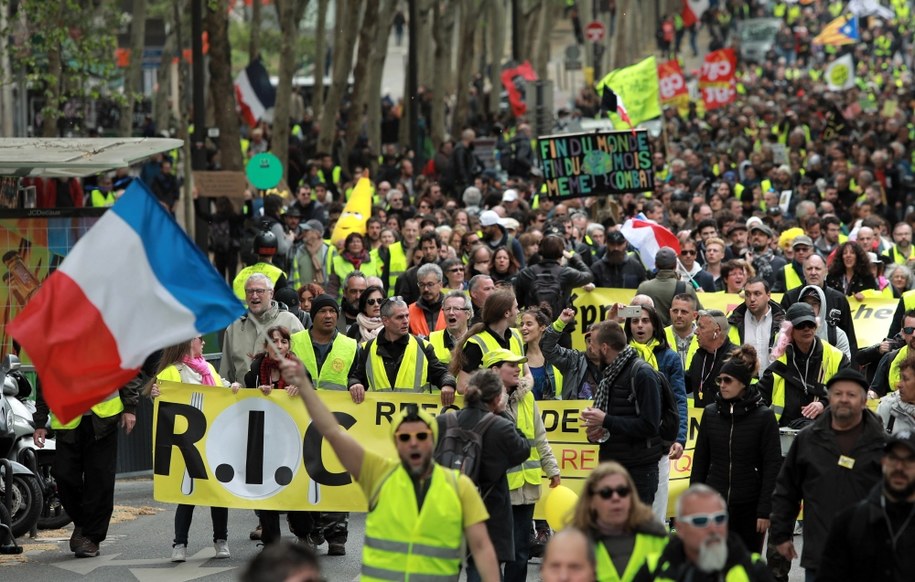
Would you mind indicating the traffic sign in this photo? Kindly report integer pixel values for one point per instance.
(595, 31)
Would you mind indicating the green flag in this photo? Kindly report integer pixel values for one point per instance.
(637, 87)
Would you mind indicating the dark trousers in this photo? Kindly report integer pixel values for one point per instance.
(742, 521)
(332, 526)
(523, 517)
(185, 513)
(84, 469)
(300, 522)
(645, 478)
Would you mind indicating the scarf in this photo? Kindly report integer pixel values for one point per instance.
(368, 326)
(268, 365)
(200, 365)
(602, 397)
(646, 351)
(355, 259)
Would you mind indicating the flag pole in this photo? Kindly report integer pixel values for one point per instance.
(683, 270)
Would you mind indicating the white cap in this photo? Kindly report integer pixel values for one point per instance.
(510, 195)
(753, 220)
(511, 224)
(489, 218)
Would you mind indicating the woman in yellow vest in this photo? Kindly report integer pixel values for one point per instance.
(624, 530)
(354, 257)
(185, 363)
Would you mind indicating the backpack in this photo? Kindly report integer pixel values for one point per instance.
(461, 449)
(546, 288)
(220, 236)
(670, 413)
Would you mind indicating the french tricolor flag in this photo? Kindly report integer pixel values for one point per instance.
(648, 238)
(254, 92)
(133, 284)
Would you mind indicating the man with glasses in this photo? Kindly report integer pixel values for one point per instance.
(247, 334)
(426, 313)
(703, 550)
(310, 207)
(458, 310)
(830, 466)
(399, 361)
(400, 541)
(875, 538)
(354, 285)
(407, 285)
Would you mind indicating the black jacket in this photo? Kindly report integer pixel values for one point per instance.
(392, 354)
(633, 422)
(702, 372)
(626, 275)
(834, 300)
(572, 364)
(856, 285)
(738, 451)
(737, 321)
(503, 447)
(811, 473)
(575, 274)
(673, 565)
(859, 546)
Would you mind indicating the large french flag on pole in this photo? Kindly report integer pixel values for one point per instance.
(254, 92)
(133, 284)
(648, 238)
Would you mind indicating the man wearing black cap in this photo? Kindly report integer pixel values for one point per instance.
(791, 276)
(666, 284)
(617, 269)
(329, 357)
(875, 539)
(765, 261)
(833, 464)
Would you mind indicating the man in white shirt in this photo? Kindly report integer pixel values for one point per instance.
(757, 320)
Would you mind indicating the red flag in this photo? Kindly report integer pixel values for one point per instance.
(510, 80)
(671, 83)
(718, 80)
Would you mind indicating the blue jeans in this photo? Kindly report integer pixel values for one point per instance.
(645, 478)
(523, 517)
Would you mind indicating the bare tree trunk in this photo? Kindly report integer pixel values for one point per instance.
(376, 68)
(470, 12)
(497, 27)
(161, 113)
(317, 100)
(132, 75)
(443, 31)
(254, 41)
(289, 13)
(50, 114)
(540, 54)
(347, 23)
(355, 118)
(216, 23)
(426, 31)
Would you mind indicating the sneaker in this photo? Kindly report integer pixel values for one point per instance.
(336, 549)
(222, 550)
(306, 542)
(179, 553)
(86, 549)
(255, 533)
(76, 539)
(316, 538)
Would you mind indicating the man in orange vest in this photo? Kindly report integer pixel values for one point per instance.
(426, 313)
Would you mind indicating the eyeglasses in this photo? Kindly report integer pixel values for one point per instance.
(705, 519)
(453, 309)
(908, 330)
(622, 492)
(374, 301)
(420, 435)
(692, 253)
(429, 284)
(255, 291)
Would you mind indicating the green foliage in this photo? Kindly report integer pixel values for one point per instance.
(271, 40)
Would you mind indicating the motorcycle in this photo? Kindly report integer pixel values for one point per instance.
(23, 489)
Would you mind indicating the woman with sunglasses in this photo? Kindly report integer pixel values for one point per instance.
(453, 270)
(738, 451)
(368, 320)
(624, 530)
(794, 384)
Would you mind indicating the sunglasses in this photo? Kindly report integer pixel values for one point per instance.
(690, 253)
(456, 270)
(421, 435)
(805, 325)
(705, 519)
(908, 330)
(622, 492)
(374, 301)
(724, 380)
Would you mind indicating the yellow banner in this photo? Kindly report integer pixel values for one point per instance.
(871, 317)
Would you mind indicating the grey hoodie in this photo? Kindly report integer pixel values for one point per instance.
(823, 328)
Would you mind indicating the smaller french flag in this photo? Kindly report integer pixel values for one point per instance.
(254, 92)
(133, 284)
(648, 238)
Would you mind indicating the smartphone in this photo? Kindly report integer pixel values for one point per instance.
(631, 311)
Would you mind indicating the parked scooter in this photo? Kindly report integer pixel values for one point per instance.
(21, 491)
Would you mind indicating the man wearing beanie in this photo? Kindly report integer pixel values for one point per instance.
(666, 284)
(831, 465)
(401, 542)
(329, 357)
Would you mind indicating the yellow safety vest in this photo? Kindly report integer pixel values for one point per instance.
(271, 271)
(895, 373)
(334, 176)
(792, 279)
(397, 265)
(672, 342)
(101, 199)
(529, 470)
(437, 339)
(645, 545)
(895, 256)
(172, 374)
(737, 573)
(487, 342)
(107, 408)
(341, 268)
(832, 357)
(403, 542)
(411, 375)
(334, 372)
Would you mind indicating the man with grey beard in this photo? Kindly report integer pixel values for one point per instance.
(703, 550)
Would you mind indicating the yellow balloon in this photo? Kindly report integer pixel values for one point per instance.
(559, 506)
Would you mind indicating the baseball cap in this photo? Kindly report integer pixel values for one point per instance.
(499, 356)
(905, 438)
(615, 237)
(510, 195)
(799, 313)
(510, 224)
(313, 224)
(666, 258)
(849, 375)
(761, 227)
(293, 211)
(801, 241)
(489, 218)
(735, 228)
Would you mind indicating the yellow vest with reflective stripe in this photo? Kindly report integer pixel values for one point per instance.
(403, 542)
(271, 271)
(644, 545)
(107, 408)
(341, 268)
(895, 375)
(411, 374)
(832, 357)
(487, 342)
(737, 573)
(529, 470)
(437, 339)
(672, 343)
(897, 257)
(334, 373)
(397, 265)
(792, 279)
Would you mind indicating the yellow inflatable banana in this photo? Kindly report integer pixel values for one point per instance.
(356, 212)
